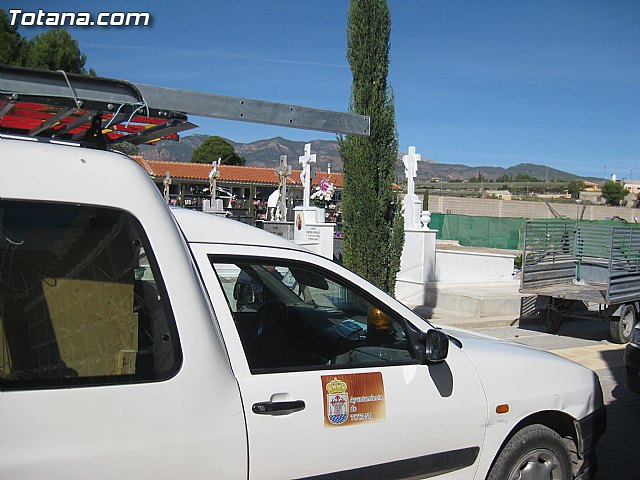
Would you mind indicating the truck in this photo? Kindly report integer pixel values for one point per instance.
(140, 340)
(583, 269)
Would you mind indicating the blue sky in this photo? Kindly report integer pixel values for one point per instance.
(476, 82)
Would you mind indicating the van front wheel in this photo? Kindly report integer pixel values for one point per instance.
(534, 453)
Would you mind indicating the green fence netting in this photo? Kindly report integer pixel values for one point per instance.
(490, 232)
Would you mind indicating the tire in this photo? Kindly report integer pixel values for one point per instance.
(551, 320)
(621, 329)
(534, 453)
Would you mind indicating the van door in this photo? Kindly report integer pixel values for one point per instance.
(329, 379)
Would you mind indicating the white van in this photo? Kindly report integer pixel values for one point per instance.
(138, 340)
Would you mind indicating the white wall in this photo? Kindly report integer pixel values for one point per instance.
(465, 266)
(522, 209)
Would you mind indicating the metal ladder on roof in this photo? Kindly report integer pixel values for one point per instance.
(100, 111)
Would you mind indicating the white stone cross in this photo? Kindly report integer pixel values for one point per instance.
(411, 168)
(305, 175)
(166, 182)
(283, 171)
(214, 174)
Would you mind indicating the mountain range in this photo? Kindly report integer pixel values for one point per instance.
(266, 153)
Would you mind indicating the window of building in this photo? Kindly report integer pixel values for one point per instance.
(81, 301)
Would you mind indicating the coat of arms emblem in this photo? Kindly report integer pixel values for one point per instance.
(337, 401)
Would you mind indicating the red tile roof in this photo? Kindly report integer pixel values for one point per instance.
(229, 173)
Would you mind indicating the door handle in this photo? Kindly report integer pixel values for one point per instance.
(278, 408)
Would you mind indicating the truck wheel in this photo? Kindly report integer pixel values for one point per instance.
(621, 329)
(534, 453)
(551, 320)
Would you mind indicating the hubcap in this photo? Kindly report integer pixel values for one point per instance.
(627, 323)
(538, 464)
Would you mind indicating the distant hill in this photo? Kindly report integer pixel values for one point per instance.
(266, 153)
(262, 153)
(449, 171)
(171, 151)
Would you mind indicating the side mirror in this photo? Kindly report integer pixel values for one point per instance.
(436, 346)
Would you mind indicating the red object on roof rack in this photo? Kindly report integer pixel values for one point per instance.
(41, 119)
(95, 111)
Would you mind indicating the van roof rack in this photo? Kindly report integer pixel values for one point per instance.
(99, 111)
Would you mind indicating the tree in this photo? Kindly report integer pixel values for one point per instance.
(574, 188)
(51, 50)
(525, 177)
(614, 192)
(217, 147)
(56, 50)
(425, 199)
(504, 178)
(126, 148)
(12, 45)
(372, 216)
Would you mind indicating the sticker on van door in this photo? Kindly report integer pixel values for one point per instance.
(353, 398)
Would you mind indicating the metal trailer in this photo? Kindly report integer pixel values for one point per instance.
(576, 264)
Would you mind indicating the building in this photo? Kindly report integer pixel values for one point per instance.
(498, 194)
(591, 187)
(591, 192)
(633, 197)
(632, 185)
(243, 190)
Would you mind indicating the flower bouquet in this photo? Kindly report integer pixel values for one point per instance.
(323, 194)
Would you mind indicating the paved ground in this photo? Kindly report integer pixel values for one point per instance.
(586, 342)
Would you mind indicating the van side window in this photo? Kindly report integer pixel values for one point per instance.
(80, 299)
(292, 316)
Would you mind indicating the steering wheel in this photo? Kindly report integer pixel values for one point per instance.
(272, 311)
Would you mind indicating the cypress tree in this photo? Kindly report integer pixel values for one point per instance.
(373, 223)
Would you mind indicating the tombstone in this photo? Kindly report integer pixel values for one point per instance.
(305, 174)
(278, 225)
(281, 229)
(317, 237)
(166, 182)
(214, 174)
(283, 171)
(412, 205)
(215, 205)
(418, 260)
(410, 162)
(307, 231)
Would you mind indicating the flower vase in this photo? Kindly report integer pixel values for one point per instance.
(320, 215)
(425, 218)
